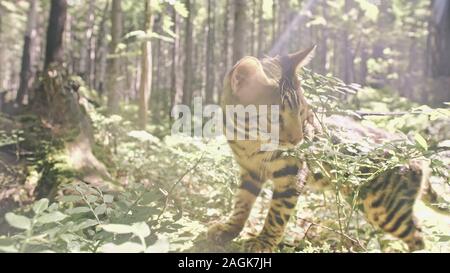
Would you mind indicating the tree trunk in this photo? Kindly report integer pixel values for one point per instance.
(85, 54)
(91, 60)
(2, 61)
(114, 63)
(240, 27)
(226, 44)
(156, 96)
(440, 52)
(54, 53)
(363, 65)
(177, 92)
(188, 46)
(57, 104)
(101, 52)
(28, 54)
(348, 65)
(146, 69)
(260, 28)
(274, 21)
(210, 40)
(253, 40)
(441, 39)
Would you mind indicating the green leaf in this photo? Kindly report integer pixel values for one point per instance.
(84, 225)
(78, 210)
(108, 198)
(161, 246)
(420, 140)
(70, 198)
(118, 229)
(40, 206)
(51, 217)
(128, 247)
(141, 230)
(91, 198)
(8, 249)
(18, 221)
(100, 209)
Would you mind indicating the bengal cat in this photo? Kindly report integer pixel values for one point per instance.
(274, 81)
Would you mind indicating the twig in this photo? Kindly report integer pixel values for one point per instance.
(169, 193)
(354, 241)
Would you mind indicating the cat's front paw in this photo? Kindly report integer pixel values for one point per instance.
(259, 245)
(221, 233)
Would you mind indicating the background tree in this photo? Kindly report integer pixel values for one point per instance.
(188, 50)
(210, 56)
(440, 51)
(240, 29)
(114, 63)
(57, 104)
(146, 67)
(28, 53)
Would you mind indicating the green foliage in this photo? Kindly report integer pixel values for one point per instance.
(88, 220)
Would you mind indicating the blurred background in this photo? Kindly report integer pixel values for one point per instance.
(400, 46)
(87, 159)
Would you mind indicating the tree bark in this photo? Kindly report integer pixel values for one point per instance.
(57, 104)
(188, 47)
(158, 58)
(240, 27)
(2, 50)
(210, 40)
(114, 63)
(86, 50)
(146, 68)
(440, 53)
(348, 65)
(177, 92)
(261, 25)
(54, 53)
(101, 52)
(26, 71)
(226, 43)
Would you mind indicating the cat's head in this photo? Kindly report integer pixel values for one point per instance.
(273, 81)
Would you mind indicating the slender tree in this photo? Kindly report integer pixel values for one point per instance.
(176, 90)
(54, 53)
(146, 67)
(28, 53)
(240, 27)
(188, 47)
(210, 40)
(87, 49)
(101, 52)
(2, 61)
(261, 25)
(114, 61)
(440, 52)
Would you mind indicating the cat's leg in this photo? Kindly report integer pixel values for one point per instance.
(288, 183)
(245, 198)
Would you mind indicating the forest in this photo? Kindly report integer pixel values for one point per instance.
(89, 96)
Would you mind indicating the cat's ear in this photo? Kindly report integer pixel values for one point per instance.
(303, 57)
(247, 79)
(292, 62)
